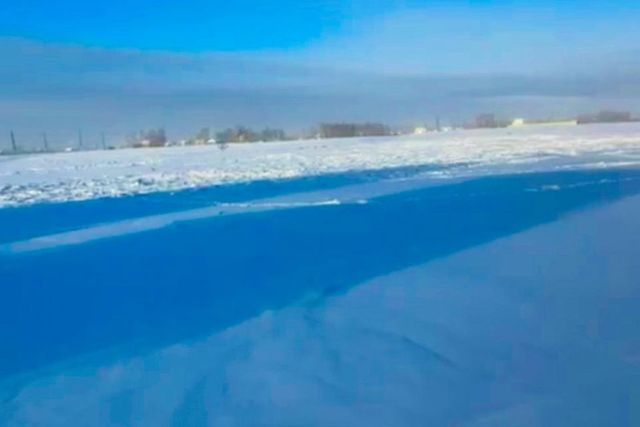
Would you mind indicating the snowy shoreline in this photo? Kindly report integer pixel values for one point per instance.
(87, 175)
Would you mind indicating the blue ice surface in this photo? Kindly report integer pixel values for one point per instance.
(142, 291)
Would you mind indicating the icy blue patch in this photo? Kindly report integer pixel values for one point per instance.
(141, 291)
(534, 329)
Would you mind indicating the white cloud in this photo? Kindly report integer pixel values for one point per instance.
(470, 39)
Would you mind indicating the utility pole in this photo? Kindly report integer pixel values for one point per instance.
(45, 142)
(80, 139)
(13, 142)
(104, 144)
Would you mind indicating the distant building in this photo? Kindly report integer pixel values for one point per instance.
(517, 123)
(149, 138)
(420, 130)
(524, 123)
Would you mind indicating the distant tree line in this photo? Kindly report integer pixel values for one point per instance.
(607, 116)
(239, 134)
(349, 130)
(246, 134)
(148, 138)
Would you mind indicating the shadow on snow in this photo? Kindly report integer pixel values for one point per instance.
(147, 290)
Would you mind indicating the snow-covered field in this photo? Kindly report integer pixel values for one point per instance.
(508, 333)
(87, 175)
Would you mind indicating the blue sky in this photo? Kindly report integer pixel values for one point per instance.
(191, 25)
(290, 63)
(255, 25)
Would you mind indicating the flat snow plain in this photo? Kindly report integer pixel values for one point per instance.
(93, 174)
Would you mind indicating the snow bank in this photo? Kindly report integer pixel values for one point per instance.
(87, 175)
(507, 333)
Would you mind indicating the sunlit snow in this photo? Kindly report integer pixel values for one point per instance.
(86, 175)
